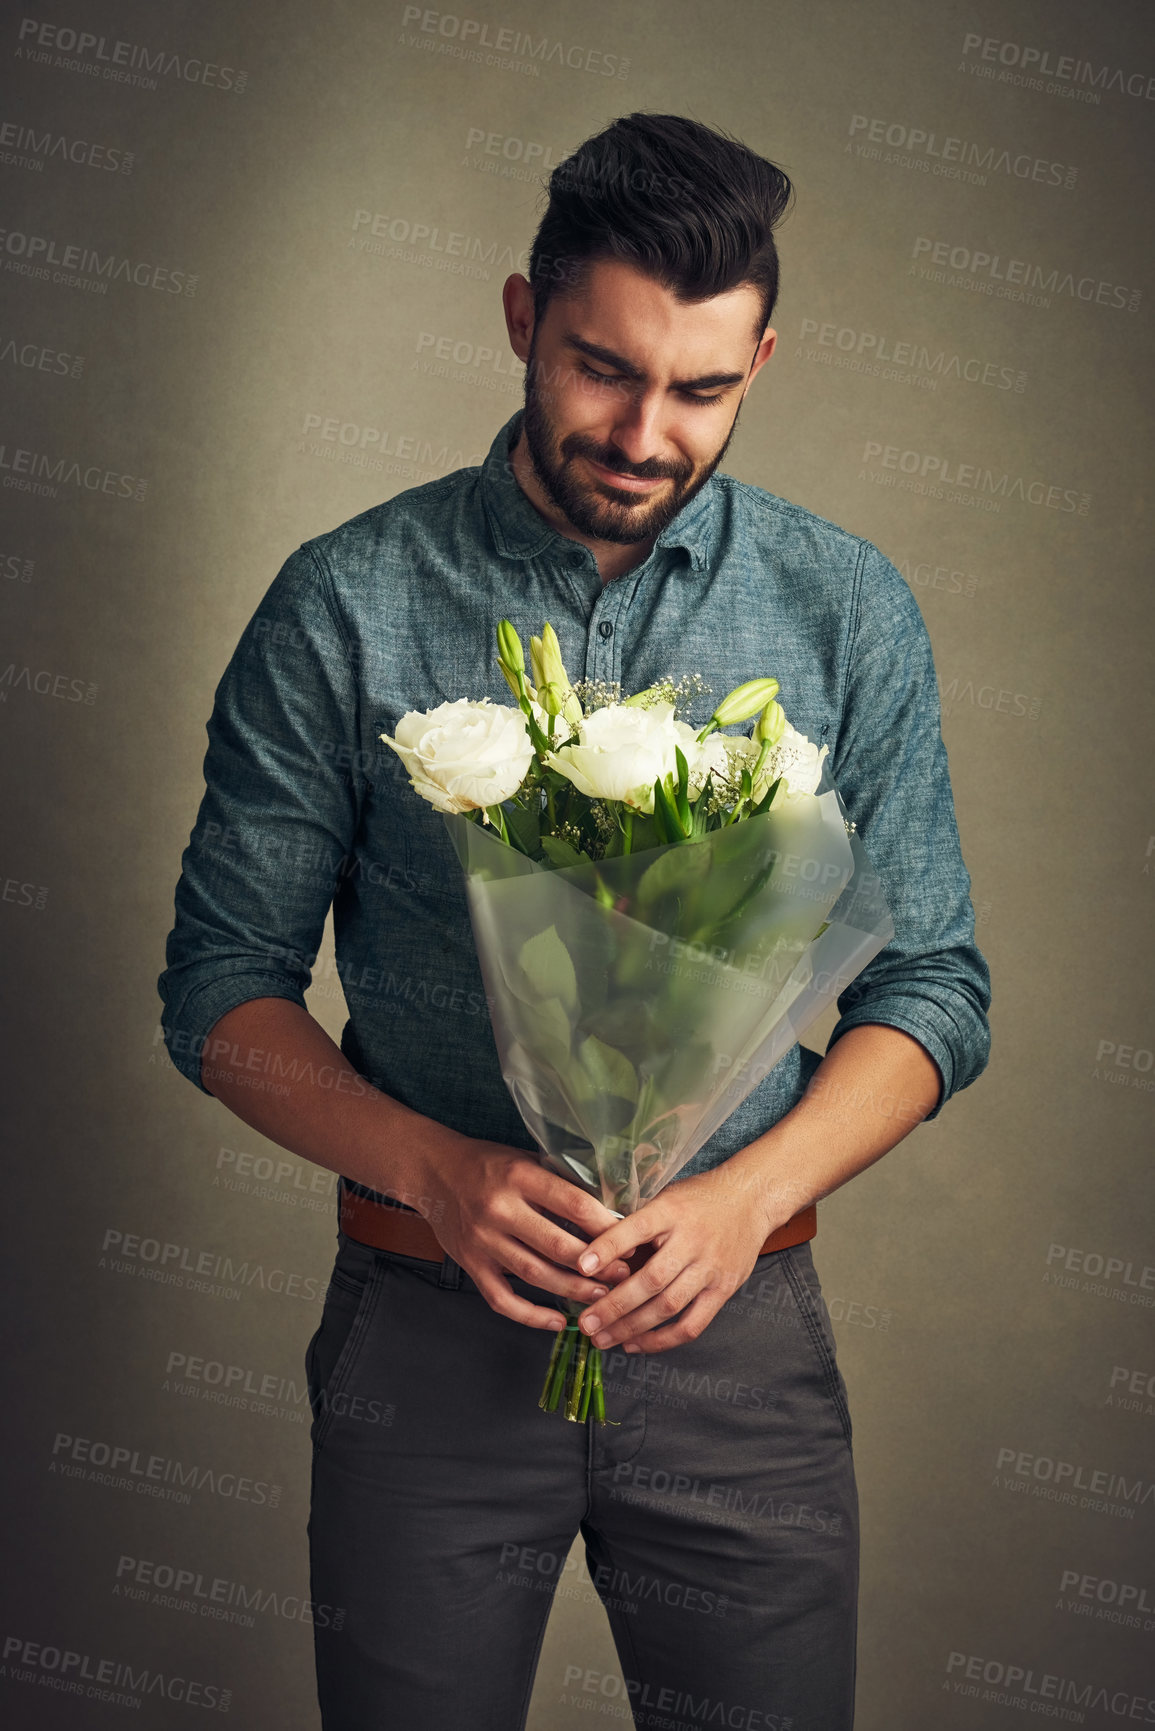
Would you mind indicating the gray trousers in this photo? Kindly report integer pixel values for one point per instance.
(719, 1516)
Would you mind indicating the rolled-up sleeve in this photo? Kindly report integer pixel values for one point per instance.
(278, 817)
(890, 766)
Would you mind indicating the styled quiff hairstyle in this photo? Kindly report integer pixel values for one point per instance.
(689, 206)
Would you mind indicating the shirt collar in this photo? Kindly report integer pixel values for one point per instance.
(520, 531)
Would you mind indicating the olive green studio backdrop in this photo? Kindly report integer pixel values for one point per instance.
(310, 211)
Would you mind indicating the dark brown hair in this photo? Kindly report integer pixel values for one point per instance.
(688, 205)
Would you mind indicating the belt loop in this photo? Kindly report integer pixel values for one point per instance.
(450, 1275)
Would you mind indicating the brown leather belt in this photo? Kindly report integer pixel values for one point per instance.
(384, 1227)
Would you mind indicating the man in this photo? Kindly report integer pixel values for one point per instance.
(719, 1510)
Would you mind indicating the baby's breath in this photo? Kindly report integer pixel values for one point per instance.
(722, 794)
(685, 690)
(681, 692)
(603, 818)
(662, 691)
(597, 693)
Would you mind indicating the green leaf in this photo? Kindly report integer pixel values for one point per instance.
(552, 1034)
(765, 802)
(661, 828)
(609, 1070)
(562, 853)
(663, 802)
(546, 963)
(683, 771)
(673, 873)
(524, 828)
(702, 807)
(645, 833)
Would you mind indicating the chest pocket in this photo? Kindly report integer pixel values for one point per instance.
(409, 835)
(430, 857)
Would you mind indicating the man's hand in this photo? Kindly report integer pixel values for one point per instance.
(870, 1090)
(490, 1214)
(707, 1236)
(486, 1202)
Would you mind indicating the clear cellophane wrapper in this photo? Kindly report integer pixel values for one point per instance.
(637, 1001)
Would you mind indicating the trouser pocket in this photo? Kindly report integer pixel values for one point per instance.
(331, 1355)
(802, 1278)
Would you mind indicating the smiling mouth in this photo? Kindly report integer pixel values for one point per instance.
(625, 483)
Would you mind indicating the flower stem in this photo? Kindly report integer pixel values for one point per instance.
(559, 1365)
(553, 1358)
(573, 1404)
(599, 1392)
(574, 1373)
(588, 1385)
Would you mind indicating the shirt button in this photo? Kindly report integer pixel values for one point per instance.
(605, 629)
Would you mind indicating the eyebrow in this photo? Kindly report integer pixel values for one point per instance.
(704, 382)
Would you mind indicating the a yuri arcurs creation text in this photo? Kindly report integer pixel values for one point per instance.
(659, 912)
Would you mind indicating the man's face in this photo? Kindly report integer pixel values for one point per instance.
(631, 397)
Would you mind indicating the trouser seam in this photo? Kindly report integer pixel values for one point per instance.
(617, 1623)
(531, 1669)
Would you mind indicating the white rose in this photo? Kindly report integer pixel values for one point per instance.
(464, 756)
(795, 758)
(622, 749)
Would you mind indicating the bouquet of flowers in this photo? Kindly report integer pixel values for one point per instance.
(659, 912)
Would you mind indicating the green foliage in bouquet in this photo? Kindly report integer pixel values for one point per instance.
(654, 913)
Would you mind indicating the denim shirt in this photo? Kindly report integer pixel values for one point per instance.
(306, 807)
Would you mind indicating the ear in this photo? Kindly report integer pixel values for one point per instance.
(517, 299)
(761, 355)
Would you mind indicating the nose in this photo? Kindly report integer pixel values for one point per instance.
(636, 430)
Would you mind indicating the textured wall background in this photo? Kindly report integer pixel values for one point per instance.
(252, 259)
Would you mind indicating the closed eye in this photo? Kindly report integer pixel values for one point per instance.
(616, 379)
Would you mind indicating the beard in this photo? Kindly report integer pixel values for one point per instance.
(596, 508)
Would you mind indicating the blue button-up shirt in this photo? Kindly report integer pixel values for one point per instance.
(305, 806)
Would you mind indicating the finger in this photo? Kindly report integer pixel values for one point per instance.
(641, 1289)
(655, 1312)
(615, 1273)
(520, 1219)
(519, 1259)
(619, 1240)
(698, 1314)
(566, 1199)
(501, 1297)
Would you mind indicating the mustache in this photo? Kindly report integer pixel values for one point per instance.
(578, 446)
